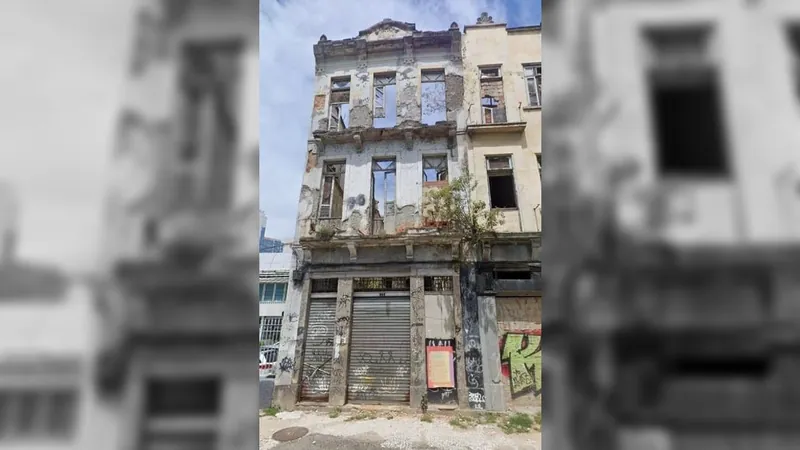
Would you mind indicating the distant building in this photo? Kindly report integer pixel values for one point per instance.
(273, 284)
(46, 350)
(265, 244)
(263, 228)
(269, 245)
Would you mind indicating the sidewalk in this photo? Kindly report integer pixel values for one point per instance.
(389, 430)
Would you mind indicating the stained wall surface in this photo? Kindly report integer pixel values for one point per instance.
(493, 45)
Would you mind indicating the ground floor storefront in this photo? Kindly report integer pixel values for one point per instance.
(430, 333)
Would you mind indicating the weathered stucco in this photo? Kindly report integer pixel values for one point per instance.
(358, 184)
(493, 45)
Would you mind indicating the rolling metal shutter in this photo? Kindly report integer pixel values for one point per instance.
(318, 352)
(380, 349)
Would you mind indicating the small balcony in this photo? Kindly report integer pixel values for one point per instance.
(408, 131)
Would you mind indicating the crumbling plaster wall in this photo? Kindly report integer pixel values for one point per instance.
(488, 45)
(408, 71)
(407, 67)
(358, 182)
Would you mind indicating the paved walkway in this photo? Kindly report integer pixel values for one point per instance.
(401, 431)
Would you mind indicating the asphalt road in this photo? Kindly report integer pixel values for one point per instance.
(265, 386)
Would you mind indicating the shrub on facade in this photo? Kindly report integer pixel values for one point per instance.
(453, 208)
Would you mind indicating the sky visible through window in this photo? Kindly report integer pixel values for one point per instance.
(289, 29)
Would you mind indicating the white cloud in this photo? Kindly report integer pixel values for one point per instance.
(288, 33)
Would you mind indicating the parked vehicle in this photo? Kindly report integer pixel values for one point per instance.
(267, 358)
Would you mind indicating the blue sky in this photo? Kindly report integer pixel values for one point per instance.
(289, 29)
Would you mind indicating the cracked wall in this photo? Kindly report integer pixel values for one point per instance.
(358, 184)
(407, 68)
(290, 350)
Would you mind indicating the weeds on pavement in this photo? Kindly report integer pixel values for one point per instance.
(516, 423)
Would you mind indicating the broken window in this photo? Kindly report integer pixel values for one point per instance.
(488, 107)
(433, 97)
(512, 275)
(339, 118)
(539, 165)
(533, 82)
(383, 192)
(493, 108)
(385, 107)
(686, 104)
(490, 72)
(332, 195)
(434, 168)
(502, 191)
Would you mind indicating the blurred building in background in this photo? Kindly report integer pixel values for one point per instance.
(681, 321)
(179, 309)
(378, 281)
(47, 349)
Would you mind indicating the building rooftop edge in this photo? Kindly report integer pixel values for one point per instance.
(519, 29)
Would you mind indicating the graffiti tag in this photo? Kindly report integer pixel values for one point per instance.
(521, 357)
(286, 364)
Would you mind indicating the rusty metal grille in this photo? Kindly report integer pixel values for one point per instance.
(324, 285)
(318, 350)
(438, 284)
(400, 284)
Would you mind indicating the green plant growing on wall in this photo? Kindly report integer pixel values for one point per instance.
(452, 208)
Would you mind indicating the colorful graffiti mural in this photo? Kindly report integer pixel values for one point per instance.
(521, 358)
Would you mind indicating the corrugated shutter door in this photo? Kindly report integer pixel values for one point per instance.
(380, 350)
(316, 372)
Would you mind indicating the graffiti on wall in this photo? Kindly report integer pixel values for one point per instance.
(521, 358)
(443, 395)
(473, 356)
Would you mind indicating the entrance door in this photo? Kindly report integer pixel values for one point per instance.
(380, 349)
(318, 352)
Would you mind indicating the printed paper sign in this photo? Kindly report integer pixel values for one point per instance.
(440, 367)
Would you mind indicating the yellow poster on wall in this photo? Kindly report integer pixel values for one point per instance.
(440, 367)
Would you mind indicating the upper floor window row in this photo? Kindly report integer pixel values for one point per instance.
(272, 292)
(492, 94)
(385, 100)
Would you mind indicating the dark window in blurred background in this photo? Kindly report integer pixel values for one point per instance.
(686, 104)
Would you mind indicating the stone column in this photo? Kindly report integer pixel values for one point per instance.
(490, 339)
(290, 352)
(419, 385)
(461, 372)
(341, 343)
(409, 106)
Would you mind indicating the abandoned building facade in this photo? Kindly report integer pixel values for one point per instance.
(692, 332)
(382, 305)
(180, 301)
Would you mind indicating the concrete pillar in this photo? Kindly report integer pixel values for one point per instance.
(461, 372)
(341, 342)
(409, 105)
(419, 385)
(490, 339)
(290, 352)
